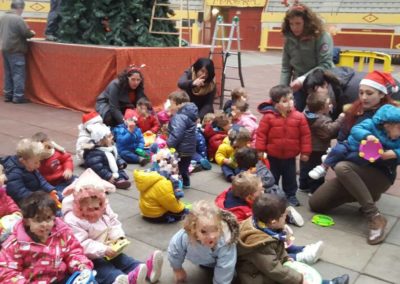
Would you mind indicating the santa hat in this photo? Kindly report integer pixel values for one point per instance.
(130, 114)
(383, 82)
(91, 118)
(98, 131)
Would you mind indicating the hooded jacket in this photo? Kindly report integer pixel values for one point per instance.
(214, 138)
(11, 212)
(20, 182)
(248, 121)
(93, 236)
(182, 130)
(201, 144)
(242, 211)
(84, 137)
(53, 167)
(225, 151)
(126, 140)
(282, 137)
(222, 258)
(33, 262)
(261, 257)
(156, 194)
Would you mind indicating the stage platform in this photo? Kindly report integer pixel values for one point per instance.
(72, 76)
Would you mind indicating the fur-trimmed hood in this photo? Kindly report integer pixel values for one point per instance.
(230, 227)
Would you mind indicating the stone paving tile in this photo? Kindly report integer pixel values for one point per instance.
(393, 236)
(329, 271)
(384, 264)
(364, 279)
(124, 206)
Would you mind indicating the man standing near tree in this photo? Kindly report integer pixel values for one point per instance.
(53, 18)
(14, 33)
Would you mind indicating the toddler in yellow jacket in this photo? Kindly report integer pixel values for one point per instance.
(157, 201)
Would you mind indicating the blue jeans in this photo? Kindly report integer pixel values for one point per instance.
(53, 18)
(108, 270)
(300, 99)
(285, 168)
(14, 75)
(129, 157)
(294, 250)
(229, 172)
(342, 152)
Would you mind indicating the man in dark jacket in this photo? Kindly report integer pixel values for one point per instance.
(13, 43)
(182, 131)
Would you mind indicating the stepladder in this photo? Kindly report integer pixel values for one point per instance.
(231, 55)
(163, 10)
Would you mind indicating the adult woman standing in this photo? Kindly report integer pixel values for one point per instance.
(363, 184)
(120, 94)
(198, 82)
(307, 46)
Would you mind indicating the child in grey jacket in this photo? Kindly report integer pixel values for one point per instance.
(208, 239)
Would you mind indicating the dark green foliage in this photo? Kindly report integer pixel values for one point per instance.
(114, 22)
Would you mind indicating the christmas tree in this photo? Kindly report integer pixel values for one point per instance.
(115, 22)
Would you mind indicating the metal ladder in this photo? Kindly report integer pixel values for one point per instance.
(178, 21)
(226, 52)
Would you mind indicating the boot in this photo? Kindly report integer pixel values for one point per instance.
(376, 226)
(344, 279)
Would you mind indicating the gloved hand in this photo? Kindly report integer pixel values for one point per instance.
(141, 152)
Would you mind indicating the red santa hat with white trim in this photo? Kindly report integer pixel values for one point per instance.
(91, 118)
(381, 81)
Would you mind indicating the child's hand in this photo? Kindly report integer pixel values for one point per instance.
(111, 180)
(67, 174)
(110, 252)
(389, 154)
(372, 138)
(304, 158)
(296, 85)
(227, 161)
(180, 275)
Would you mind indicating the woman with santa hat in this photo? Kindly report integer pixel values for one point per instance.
(362, 184)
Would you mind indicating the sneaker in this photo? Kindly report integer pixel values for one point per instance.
(22, 100)
(205, 164)
(294, 217)
(376, 233)
(317, 172)
(154, 266)
(323, 158)
(8, 99)
(344, 279)
(122, 184)
(293, 201)
(143, 161)
(138, 275)
(311, 253)
(196, 168)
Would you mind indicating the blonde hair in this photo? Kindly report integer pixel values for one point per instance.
(201, 209)
(238, 94)
(245, 184)
(208, 118)
(27, 149)
(3, 177)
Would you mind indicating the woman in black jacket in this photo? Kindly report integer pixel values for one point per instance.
(198, 82)
(120, 94)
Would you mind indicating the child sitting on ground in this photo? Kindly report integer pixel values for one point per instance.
(384, 127)
(242, 116)
(159, 201)
(83, 142)
(182, 131)
(56, 166)
(323, 129)
(199, 158)
(23, 177)
(261, 248)
(237, 94)
(42, 248)
(10, 213)
(238, 137)
(146, 119)
(96, 226)
(248, 160)
(215, 132)
(283, 134)
(208, 239)
(104, 158)
(129, 140)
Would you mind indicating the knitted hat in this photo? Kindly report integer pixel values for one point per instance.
(98, 131)
(383, 82)
(91, 118)
(130, 114)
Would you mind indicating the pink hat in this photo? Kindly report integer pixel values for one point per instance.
(130, 114)
(163, 117)
(383, 82)
(91, 117)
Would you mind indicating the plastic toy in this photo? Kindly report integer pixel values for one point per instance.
(310, 275)
(149, 138)
(118, 246)
(82, 277)
(370, 150)
(322, 220)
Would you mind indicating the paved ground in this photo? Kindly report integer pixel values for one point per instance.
(346, 249)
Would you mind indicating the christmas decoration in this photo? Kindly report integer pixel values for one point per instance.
(115, 22)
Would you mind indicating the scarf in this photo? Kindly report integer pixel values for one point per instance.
(111, 155)
(280, 236)
(203, 90)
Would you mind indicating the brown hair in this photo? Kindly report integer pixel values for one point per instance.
(240, 105)
(316, 101)
(208, 118)
(245, 184)
(246, 158)
(313, 25)
(268, 207)
(238, 93)
(278, 92)
(144, 102)
(179, 97)
(40, 137)
(221, 120)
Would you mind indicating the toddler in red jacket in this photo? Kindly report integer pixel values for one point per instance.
(283, 133)
(56, 166)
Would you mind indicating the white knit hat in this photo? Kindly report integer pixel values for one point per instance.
(98, 131)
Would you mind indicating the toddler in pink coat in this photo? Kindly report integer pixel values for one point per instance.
(243, 117)
(42, 248)
(86, 209)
